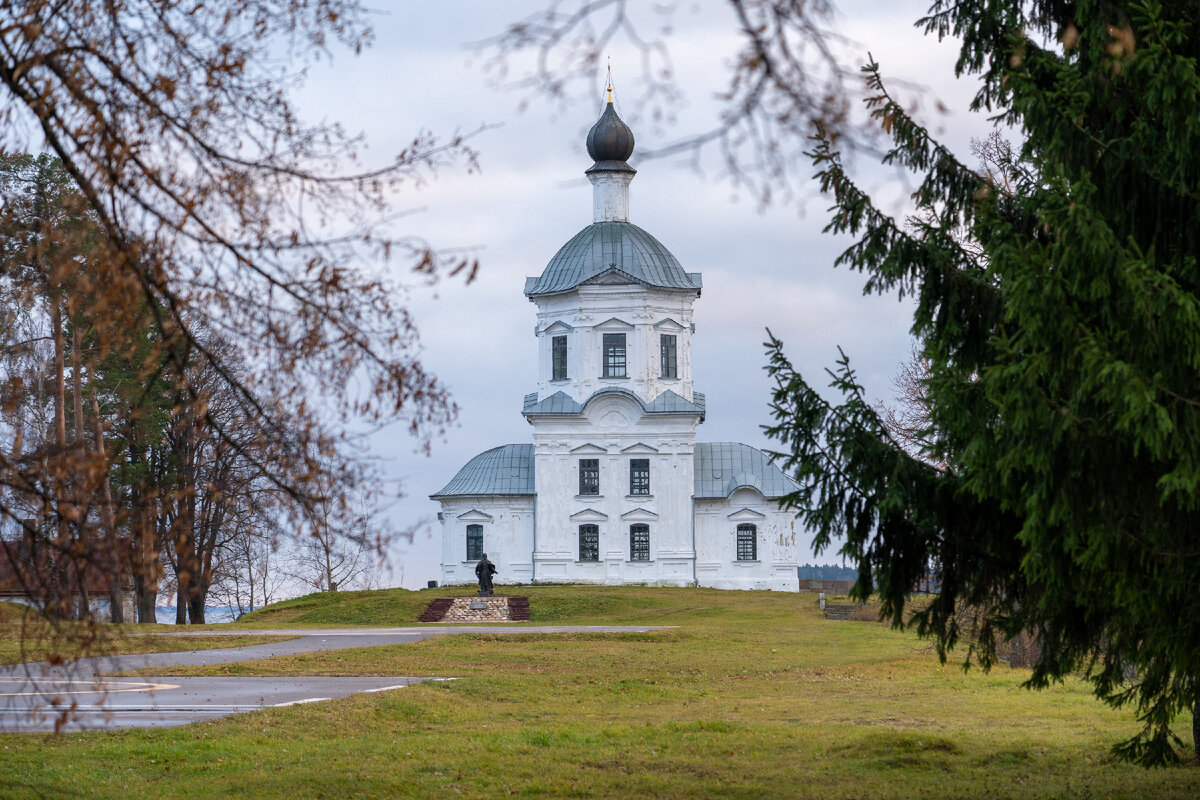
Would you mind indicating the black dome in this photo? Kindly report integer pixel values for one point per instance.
(610, 139)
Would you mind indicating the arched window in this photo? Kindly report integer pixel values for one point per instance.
(474, 542)
(747, 542)
(589, 542)
(639, 542)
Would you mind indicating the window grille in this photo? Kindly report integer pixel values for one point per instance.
(589, 476)
(747, 542)
(639, 476)
(559, 358)
(670, 362)
(589, 543)
(474, 542)
(614, 355)
(639, 542)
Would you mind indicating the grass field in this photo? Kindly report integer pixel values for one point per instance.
(25, 636)
(752, 695)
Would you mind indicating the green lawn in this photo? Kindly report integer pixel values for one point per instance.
(26, 636)
(753, 695)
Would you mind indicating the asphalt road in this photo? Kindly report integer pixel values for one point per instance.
(45, 697)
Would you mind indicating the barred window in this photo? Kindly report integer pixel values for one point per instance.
(589, 476)
(670, 363)
(747, 542)
(614, 355)
(474, 542)
(559, 358)
(639, 542)
(589, 543)
(639, 476)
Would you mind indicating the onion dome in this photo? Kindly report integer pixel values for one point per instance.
(610, 139)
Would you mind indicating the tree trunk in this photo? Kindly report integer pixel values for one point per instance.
(112, 561)
(196, 606)
(1196, 728)
(85, 551)
(55, 553)
(143, 549)
(146, 593)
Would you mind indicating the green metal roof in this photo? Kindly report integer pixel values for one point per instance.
(504, 470)
(560, 404)
(721, 468)
(724, 467)
(619, 247)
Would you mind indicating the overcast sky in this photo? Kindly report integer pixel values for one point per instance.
(761, 268)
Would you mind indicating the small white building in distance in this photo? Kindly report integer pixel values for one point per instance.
(615, 488)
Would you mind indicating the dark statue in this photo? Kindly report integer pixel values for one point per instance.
(484, 570)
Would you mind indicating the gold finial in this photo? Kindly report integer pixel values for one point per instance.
(609, 82)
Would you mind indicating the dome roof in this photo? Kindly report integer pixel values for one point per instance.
(721, 468)
(610, 139)
(505, 470)
(612, 246)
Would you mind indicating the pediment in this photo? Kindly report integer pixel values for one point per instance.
(475, 515)
(589, 448)
(614, 324)
(640, 447)
(639, 515)
(588, 515)
(668, 324)
(746, 515)
(613, 276)
(558, 326)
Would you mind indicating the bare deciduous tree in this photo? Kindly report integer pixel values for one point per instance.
(216, 208)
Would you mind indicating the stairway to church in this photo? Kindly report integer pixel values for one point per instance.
(839, 611)
(518, 609)
(436, 610)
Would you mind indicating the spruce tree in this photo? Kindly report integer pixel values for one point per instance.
(1057, 305)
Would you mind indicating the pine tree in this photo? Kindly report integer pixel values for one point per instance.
(1058, 308)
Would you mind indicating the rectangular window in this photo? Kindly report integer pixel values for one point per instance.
(474, 542)
(670, 362)
(747, 543)
(639, 542)
(589, 543)
(558, 349)
(639, 476)
(614, 355)
(589, 476)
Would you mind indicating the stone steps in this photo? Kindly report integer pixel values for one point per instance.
(518, 609)
(476, 609)
(436, 610)
(839, 610)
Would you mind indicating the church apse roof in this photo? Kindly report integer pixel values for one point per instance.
(504, 470)
(618, 247)
(722, 468)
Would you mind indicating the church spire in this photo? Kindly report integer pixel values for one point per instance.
(610, 144)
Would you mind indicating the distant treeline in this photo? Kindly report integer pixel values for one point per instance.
(823, 572)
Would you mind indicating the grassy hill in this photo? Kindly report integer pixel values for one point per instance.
(549, 605)
(752, 695)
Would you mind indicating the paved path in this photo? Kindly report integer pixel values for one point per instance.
(32, 696)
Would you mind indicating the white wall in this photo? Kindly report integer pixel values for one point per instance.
(614, 430)
(780, 537)
(584, 316)
(507, 537)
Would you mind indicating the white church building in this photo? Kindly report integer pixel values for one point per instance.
(614, 488)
